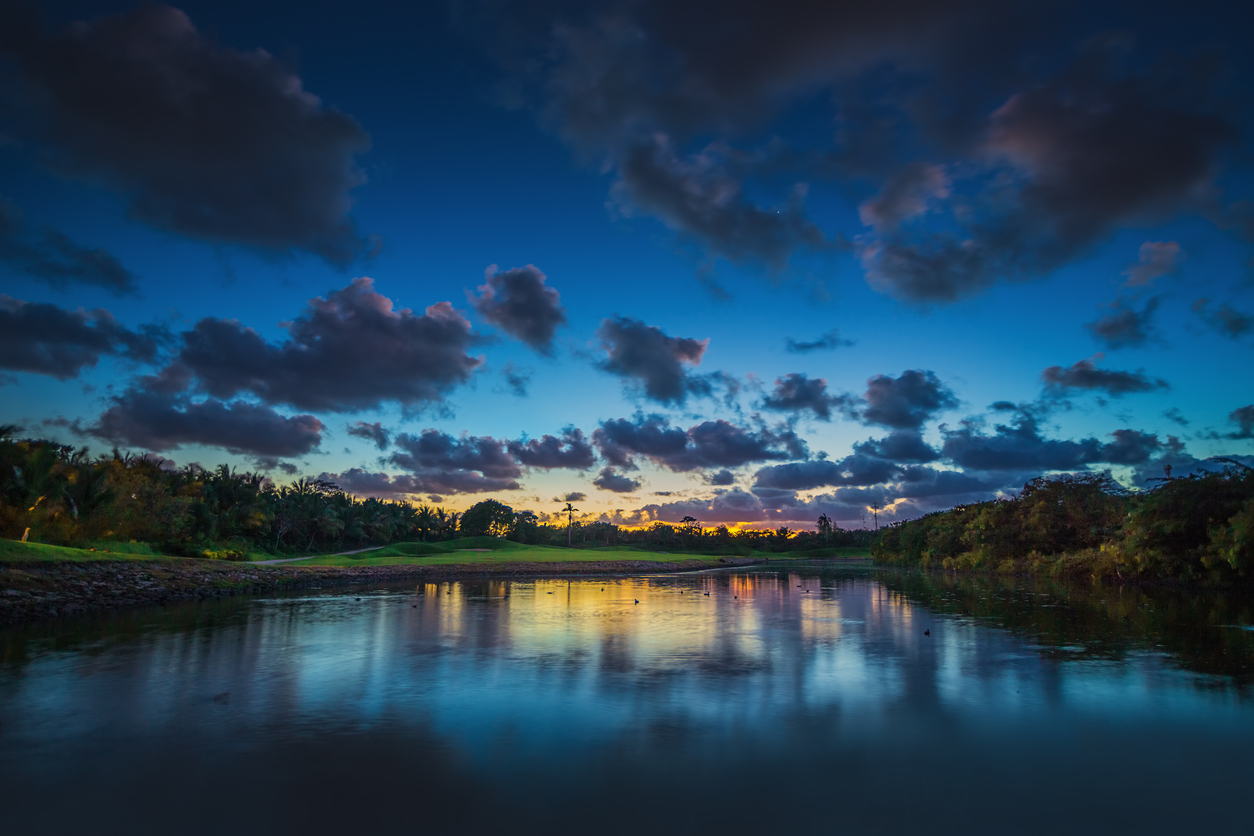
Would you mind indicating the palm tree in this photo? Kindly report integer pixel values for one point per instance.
(570, 519)
(425, 521)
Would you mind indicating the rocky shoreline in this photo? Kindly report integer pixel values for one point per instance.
(40, 590)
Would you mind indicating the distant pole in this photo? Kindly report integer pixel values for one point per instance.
(875, 509)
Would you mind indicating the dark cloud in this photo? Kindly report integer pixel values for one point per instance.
(697, 197)
(906, 402)
(1244, 419)
(158, 422)
(442, 464)
(571, 451)
(1225, 319)
(361, 482)
(348, 351)
(271, 463)
(858, 469)
(573, 496)
(829, 341)
(518, 302)
(206, 141)
(375, 433)
(909, 193)
(797, 392)
(643, 354)
(44, 339)
(732, 506)
(52, 258)
(711, 444)
(900, 446)
(1068, 162)
(721, 478)
(1019, 446)
(1126, 326)
(611, 480)
(1084, 374)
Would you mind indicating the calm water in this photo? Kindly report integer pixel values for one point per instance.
(802, 701)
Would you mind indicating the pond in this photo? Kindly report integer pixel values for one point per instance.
(792, 700)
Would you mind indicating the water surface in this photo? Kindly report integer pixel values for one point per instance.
(799, 701)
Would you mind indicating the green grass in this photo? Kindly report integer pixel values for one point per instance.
(12, 551)
(510, 553)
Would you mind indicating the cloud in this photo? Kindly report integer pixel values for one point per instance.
(1226, 319)
(1126, 326)
(1020, 447)
(643, 354)
(1084, 374)
(347, 351)
(611, 480)
(721, 478)
(1155, 259)
(733, 506)
(906, 402)
(828, 342)
(516, 379)
(571, 451)
(698, 198)
(1065, 164)
(442, 464)
(899, 446)
(361, 482)
(797, 392)
(202, 140)
(573, 496)
(907, 194)
(1175, 415)
(41, 338)
(159, 422)
(710, 444)
(52, 258)
(518, 302)
(1244, 419)
(375, 433)
(857, 469)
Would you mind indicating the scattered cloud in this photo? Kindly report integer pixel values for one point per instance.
(644, 355)
(1125, 326)
(1155, 259)
(44, 339)
(710, 444)
(796, 393)
(610, 479)
(1225, 319)
(53, 258)
(1085, 375)
(827, 342)
(375, 433)
(439, 463)
(571, 451)
(1244, 419)
(906, 402)
(346, 351)
(520, 304)
(158, 422)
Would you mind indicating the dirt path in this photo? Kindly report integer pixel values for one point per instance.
(311, 557)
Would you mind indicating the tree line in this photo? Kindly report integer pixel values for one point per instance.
(1199, 526)
(53, 493)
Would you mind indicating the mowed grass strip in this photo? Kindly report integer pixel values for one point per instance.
(514, 553)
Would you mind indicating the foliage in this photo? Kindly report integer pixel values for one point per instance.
(1191, 527)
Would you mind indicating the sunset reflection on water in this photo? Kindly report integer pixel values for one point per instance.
(562, 695)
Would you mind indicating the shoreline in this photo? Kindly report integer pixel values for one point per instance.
(35, 591)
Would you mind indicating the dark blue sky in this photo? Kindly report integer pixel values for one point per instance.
(751, 262)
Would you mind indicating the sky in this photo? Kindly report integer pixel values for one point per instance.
(741, 261)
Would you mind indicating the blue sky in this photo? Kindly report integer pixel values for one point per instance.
(1043, 208)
